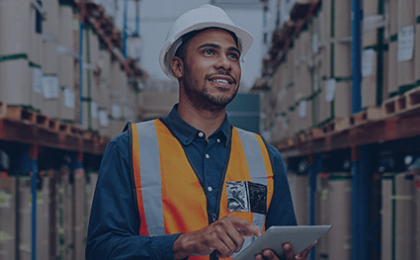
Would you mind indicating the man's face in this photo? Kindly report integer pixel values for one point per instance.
(212, 71)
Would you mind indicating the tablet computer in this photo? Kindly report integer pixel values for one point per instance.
(300, 237)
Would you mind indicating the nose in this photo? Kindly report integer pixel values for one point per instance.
(223, 63)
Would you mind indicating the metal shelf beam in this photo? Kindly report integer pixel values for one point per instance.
(16, 131)
(394, 128)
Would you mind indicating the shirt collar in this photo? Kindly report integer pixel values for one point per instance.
(186, 133)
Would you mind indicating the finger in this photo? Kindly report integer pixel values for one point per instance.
(246, 228)
(259, 257)
(304, 254)
(236, 237)
(288, 250)
(270, 255)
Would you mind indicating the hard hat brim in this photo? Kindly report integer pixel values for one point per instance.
(245, 40)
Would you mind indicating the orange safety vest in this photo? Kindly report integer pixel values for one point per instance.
(170, 196)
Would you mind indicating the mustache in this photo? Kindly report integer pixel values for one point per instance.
(221, 72)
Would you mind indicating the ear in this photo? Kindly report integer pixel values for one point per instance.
(177, 67)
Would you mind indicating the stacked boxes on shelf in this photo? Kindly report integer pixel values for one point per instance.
(104, 65)
(20, 51)
(50, 78)
(334, 208)
(336, 63)
(374, 56)
(300, 196)
(398, 216)
(8, 190)
(39, 66)
(63, 206)
(67, 63)
(90, 96)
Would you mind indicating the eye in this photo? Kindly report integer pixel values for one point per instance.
(208, 51)
(233, 55)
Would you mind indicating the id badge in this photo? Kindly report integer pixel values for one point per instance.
(246, 196)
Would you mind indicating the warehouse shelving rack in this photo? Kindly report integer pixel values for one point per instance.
(392, 121)
(30, 132)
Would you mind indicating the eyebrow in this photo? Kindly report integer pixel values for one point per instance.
(216, 46)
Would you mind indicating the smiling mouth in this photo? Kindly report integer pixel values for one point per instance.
(220, 80)
(224, 79)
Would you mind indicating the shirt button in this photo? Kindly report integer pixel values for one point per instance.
(218, 140)
(207, 155)
(200, 134)
(209, 188)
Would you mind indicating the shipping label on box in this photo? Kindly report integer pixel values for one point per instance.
(69, 98)
(103, 118)
(302, 108)
(37, 80)
(405, 43)
(367, 62)
(50, 88)
(116, 111)
(94, 109)
(5, 199)
(330, 93)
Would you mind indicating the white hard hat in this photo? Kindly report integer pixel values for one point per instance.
(203, 17)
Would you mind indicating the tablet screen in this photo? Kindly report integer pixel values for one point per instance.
(300, 237)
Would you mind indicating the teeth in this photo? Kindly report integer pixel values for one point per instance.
(220, 80)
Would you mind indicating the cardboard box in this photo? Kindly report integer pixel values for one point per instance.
(393, 17)
(322, 215)
(299, 189)
(393, 67)
(8, 217)
(325, 106)
(14, 84)
(342, 60)
(339, 209)
(342, 18)
(417, 53)
(42, 216)
(79, 216)
(402, 224)
(369, 87)
(342, 100)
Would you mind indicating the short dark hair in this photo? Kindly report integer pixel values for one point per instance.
(181, 52)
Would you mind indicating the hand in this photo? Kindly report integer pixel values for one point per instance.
(288, 250)
(224, 236)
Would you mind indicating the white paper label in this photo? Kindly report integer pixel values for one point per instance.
(37, 80)
(94, 109)
(315, 43)
(329, 95)
(69, 98)
(103, 118)
(75, 24)
(50, 87)
(281, 95)
(367, 62)
(285, 124)
(405, 43)
(5, 199)
(302, 108)
(116, 111)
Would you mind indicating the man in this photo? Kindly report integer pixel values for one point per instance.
(190, 184)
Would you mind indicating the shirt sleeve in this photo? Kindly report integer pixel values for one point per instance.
(114, 223)
(281, 211)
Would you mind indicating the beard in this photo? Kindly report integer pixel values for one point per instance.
(201, 98)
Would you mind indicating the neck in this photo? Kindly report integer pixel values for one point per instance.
(203, 120)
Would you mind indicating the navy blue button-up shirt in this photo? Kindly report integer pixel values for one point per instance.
(114, 220)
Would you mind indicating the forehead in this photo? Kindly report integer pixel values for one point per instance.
(213, 35)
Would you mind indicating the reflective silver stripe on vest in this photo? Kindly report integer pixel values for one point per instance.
(256, 167)
(150, 177)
